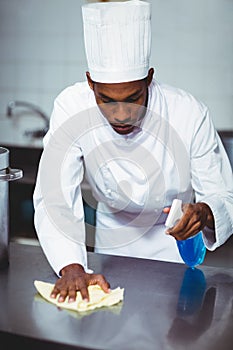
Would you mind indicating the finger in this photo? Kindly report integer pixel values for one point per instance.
(103, 284)
(190, 223)
(72, 294)
(193, 225)
(101, 281)
(166, 210)
(191, 229)
(54, 292)
(183, 228)
(179, 227)
(188, 219)
(63, 295)
(84, 293)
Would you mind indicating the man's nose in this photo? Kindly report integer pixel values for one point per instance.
(122, 113)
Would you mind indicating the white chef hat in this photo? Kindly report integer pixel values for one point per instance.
(117, 37)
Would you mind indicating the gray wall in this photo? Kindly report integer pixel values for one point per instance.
(42, 50)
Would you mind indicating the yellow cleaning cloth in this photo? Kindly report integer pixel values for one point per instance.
(97, 296)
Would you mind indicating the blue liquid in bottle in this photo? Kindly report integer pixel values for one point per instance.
(192, 250)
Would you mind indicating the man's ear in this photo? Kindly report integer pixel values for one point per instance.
(150, 76)
(90, 81)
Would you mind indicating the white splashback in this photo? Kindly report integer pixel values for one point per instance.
(42, 50)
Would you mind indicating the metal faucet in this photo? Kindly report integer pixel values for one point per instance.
(37, 133)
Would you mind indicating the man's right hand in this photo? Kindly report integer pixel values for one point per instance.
(73, 279)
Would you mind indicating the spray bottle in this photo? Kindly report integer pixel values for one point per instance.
(192, 250)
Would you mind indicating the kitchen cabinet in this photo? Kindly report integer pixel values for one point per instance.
(20, 196)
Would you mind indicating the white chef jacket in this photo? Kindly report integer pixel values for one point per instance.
(174, 153)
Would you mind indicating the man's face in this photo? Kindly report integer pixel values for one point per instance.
(122, 104)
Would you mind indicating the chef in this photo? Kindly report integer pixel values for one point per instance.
(139, 144)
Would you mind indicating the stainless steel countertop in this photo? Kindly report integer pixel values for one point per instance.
(166, 306)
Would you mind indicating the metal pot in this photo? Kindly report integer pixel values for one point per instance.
(6, 174)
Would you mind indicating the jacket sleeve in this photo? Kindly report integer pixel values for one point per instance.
(57, 198)
(212, 181)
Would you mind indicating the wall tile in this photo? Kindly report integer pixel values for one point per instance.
(42, 50)
(9, 75)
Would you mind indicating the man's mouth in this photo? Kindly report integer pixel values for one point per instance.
(123, 129)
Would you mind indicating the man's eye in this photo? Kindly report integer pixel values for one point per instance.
(131, 100)
(107, 100)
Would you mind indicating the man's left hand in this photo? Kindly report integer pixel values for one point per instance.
(195, 218)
